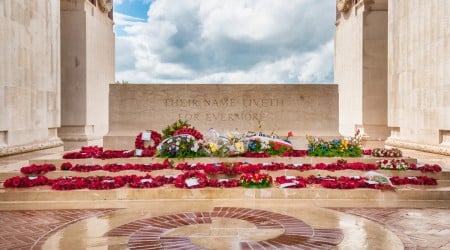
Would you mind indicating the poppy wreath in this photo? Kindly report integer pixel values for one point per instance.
(435, 168)
(69, 183)
(27, 181)
(189, 131)
(66, 166)
(414, 180)
(85, 168)
(256, 155)
(300, 167)
(343, 182)
(224, 183)
(191, 179)
(297, 181)
(190, 167)
(85, 152)
(148, 150)
(37, 169)
(107, 182)
(295, 153)
(146, 181)
(272, 166)
(246, 168)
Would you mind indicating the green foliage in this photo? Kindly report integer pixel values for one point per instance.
(181, 147)
(335, 148)
(170, 130)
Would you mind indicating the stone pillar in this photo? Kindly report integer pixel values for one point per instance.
(29, 75)
(361, 68)
(419, 75)
(87, 69)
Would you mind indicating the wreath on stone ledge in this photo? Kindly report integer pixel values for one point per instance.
(147, 141)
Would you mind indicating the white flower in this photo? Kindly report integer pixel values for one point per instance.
(195, 147)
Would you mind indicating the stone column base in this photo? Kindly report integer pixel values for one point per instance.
(436, 149)
(75, 137)
(12, 150)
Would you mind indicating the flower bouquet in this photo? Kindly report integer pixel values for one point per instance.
(267, 145)
(350, 147)
(384, 152)
(181, 146)
(256, 180)
(393, 164)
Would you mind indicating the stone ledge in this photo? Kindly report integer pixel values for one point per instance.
(12, 150)
(57, 161)
(436, 149)
(40, 194)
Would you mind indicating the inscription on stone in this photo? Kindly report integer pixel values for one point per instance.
(224, 102)
(302, 109)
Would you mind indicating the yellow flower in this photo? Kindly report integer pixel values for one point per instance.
(345, 144)
(239, 147)
(213, 147)
(230, 136)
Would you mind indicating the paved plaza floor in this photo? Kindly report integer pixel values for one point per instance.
(269, 226)
(224, 223)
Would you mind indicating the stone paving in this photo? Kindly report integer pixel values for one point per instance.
(416, 228)
(29, 229)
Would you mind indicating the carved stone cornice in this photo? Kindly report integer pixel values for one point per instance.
(343, 5)
(105, 5)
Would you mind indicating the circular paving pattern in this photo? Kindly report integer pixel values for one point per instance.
(154, 232)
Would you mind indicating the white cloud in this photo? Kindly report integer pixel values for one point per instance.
(233, 41)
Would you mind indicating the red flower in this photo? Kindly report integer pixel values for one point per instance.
(149, 150)
(191, 179)
(37, 169)
(189, 131)
(66, 166)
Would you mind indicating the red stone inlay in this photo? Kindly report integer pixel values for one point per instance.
(149, 233)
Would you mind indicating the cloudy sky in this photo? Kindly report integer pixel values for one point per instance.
(224, 41)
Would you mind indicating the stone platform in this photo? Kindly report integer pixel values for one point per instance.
(412, 217)
(42, 197)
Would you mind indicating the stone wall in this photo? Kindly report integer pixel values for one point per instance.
(361, 69)
(419, 63)
(87, 64)
(29, 75)
(303, 109)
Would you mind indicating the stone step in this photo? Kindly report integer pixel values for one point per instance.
(57, 160)
(441, 176)
(168, 192)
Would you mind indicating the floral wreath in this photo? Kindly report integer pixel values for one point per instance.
(170, 130)
(155, 137)
(189, 131)
(256, 180)
(107, 182)
(384, 152)
(146, 181)
(191, 179)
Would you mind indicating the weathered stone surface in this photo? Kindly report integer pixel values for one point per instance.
(88, 64)
(302, 109)
(419, 63)
(361, 69)
(30, 75)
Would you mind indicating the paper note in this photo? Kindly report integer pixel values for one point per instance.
(191, 182)
(146, 136)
